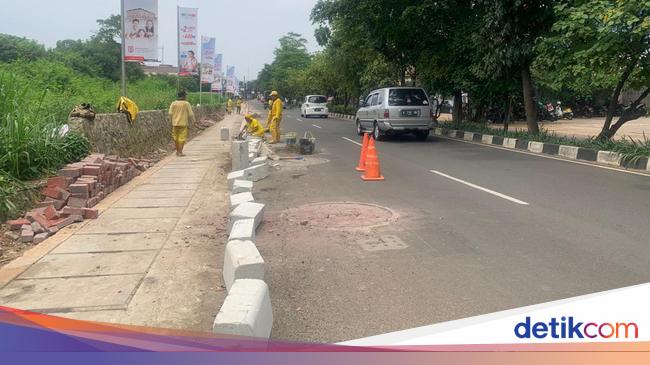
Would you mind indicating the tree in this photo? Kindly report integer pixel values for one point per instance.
(291, 59)
(15, 48)
(601, 44)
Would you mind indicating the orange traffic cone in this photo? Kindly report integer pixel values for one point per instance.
(362, 157)
(373, 171)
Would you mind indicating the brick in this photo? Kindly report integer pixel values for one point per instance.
(77, 202)
(68, 211)
(90, 213)
(64, 222)
(91, 170)
(40, 238)
(49, 212)
(59, 204)
(52, 230)
(85, 195)
(38, 217)
(70, 171)
(37, 228)
(92, 202)
(55, 193)
(15, 224)
(79, 188)
(57, 182)
(26, 227)
(26, 236)
(12, 235)
(77, 218)
(45, 203)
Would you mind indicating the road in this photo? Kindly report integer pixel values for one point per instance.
(479, 230)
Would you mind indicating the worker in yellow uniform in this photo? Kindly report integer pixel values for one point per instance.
(275, 117)
(252, 126)
(181, 115)
(239, 105)
(229, 105)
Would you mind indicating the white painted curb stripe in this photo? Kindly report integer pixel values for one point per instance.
(506, 197)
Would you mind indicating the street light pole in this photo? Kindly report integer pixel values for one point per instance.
(122, 20)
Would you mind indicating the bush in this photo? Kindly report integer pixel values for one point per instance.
(342, 109)
(14, 196)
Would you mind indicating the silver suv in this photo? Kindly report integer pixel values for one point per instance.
(396, 110)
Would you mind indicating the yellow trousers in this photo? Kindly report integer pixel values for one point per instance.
(274, 128)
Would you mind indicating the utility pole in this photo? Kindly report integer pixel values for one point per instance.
(122, 21)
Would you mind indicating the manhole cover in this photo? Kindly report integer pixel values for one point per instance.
(341, 215)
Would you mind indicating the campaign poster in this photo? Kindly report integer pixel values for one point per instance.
(188, 41)
(140, 30)
(207, 59)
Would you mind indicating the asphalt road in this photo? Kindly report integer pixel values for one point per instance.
(484, 229)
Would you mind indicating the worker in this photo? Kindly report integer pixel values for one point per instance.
(229, 105)
(239, 102)
(181, 115)
(252, 126)
(275, 117)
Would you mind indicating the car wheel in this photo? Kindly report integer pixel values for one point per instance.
(359, 129)
(376, 132)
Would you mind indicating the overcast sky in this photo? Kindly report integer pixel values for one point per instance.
(246, 30)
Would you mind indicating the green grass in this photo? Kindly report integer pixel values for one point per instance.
(631, 150)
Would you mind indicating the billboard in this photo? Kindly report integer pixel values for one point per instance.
(207, 59)
(188, 63)
(217, 84)
(140, 30)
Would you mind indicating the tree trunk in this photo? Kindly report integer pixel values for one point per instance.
(402, 76)
(636, 110)
(529, 103)
(457, 111)
(607, 132)
(506, 121)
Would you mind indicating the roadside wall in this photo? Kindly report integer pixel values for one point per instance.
(112, 134)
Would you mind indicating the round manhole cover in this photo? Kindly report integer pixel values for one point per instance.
(341, 215)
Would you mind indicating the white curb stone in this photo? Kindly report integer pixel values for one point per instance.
(468, 136)
(510, 142)
(610, 158)
(537, 147)
(243, 230)
(258, 161)
(648, 167)
(241, 186)
(248, 210)
(487, 139)
(570, 152)
(242, 260)
(239, 155)
(437, 131)
(225, 134)
(237, 199)
(257, 173)
(246, 310)
(236, 175)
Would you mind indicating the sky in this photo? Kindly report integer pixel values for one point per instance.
(247, 31)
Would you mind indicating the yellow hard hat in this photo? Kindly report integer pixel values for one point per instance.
(248, 116)
(274, 93)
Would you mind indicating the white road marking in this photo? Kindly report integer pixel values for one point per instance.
(317, 126)
(481, 188)
(355, 142)
(548, 156)
(298, 119)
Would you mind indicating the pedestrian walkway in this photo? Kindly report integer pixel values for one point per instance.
(153, 258)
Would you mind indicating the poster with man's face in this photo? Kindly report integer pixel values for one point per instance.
(141, 30)
(188, 41)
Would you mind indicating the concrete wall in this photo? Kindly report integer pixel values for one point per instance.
(112, 134)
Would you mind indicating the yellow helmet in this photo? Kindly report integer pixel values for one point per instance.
(274, 93)
(248, 116)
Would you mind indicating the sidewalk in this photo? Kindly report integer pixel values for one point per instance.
(153, 258)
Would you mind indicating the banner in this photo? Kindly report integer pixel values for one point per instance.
(207, 59)
(217, 84)
(140, 30)
(187, 41)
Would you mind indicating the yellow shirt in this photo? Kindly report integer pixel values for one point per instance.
(229, 103)
(255, 128)
(276, 111)
(181, 114)
(239, 102)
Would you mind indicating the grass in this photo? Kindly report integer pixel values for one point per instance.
(630, 149)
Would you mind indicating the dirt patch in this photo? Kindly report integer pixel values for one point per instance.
(341, 215)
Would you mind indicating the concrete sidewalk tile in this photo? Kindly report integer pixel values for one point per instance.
(144, 194)
(166, 187)
(90, 264)
(127, 202)
(140, 213)
(146, 225)
(66, 294)
(87, 243)
(172, 180)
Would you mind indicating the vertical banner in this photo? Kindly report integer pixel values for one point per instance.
(230, 79)
(207, 59)
(141, 30)
(187, 41)
(217, 84)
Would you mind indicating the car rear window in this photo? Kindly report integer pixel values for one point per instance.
(317, 99)
(407, 97)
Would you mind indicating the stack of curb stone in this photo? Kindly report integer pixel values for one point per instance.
(342, 116)
(569, 152)
(70, 197)
(247, 309)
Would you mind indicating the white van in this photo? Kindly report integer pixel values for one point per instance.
(396, 110)
(314, 105)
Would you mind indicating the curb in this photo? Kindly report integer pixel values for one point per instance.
(608, 158)
(341, 116)
(247, 310)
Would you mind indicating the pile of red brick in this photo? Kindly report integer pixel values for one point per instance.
(71, 196)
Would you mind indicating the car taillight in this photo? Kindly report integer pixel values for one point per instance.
(386, 114)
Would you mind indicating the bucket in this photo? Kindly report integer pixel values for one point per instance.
(290, 139)
(307, 144)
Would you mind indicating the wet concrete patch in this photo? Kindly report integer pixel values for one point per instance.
(341, 215)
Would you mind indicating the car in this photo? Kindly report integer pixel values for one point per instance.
(314, 105)
(395, 111)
